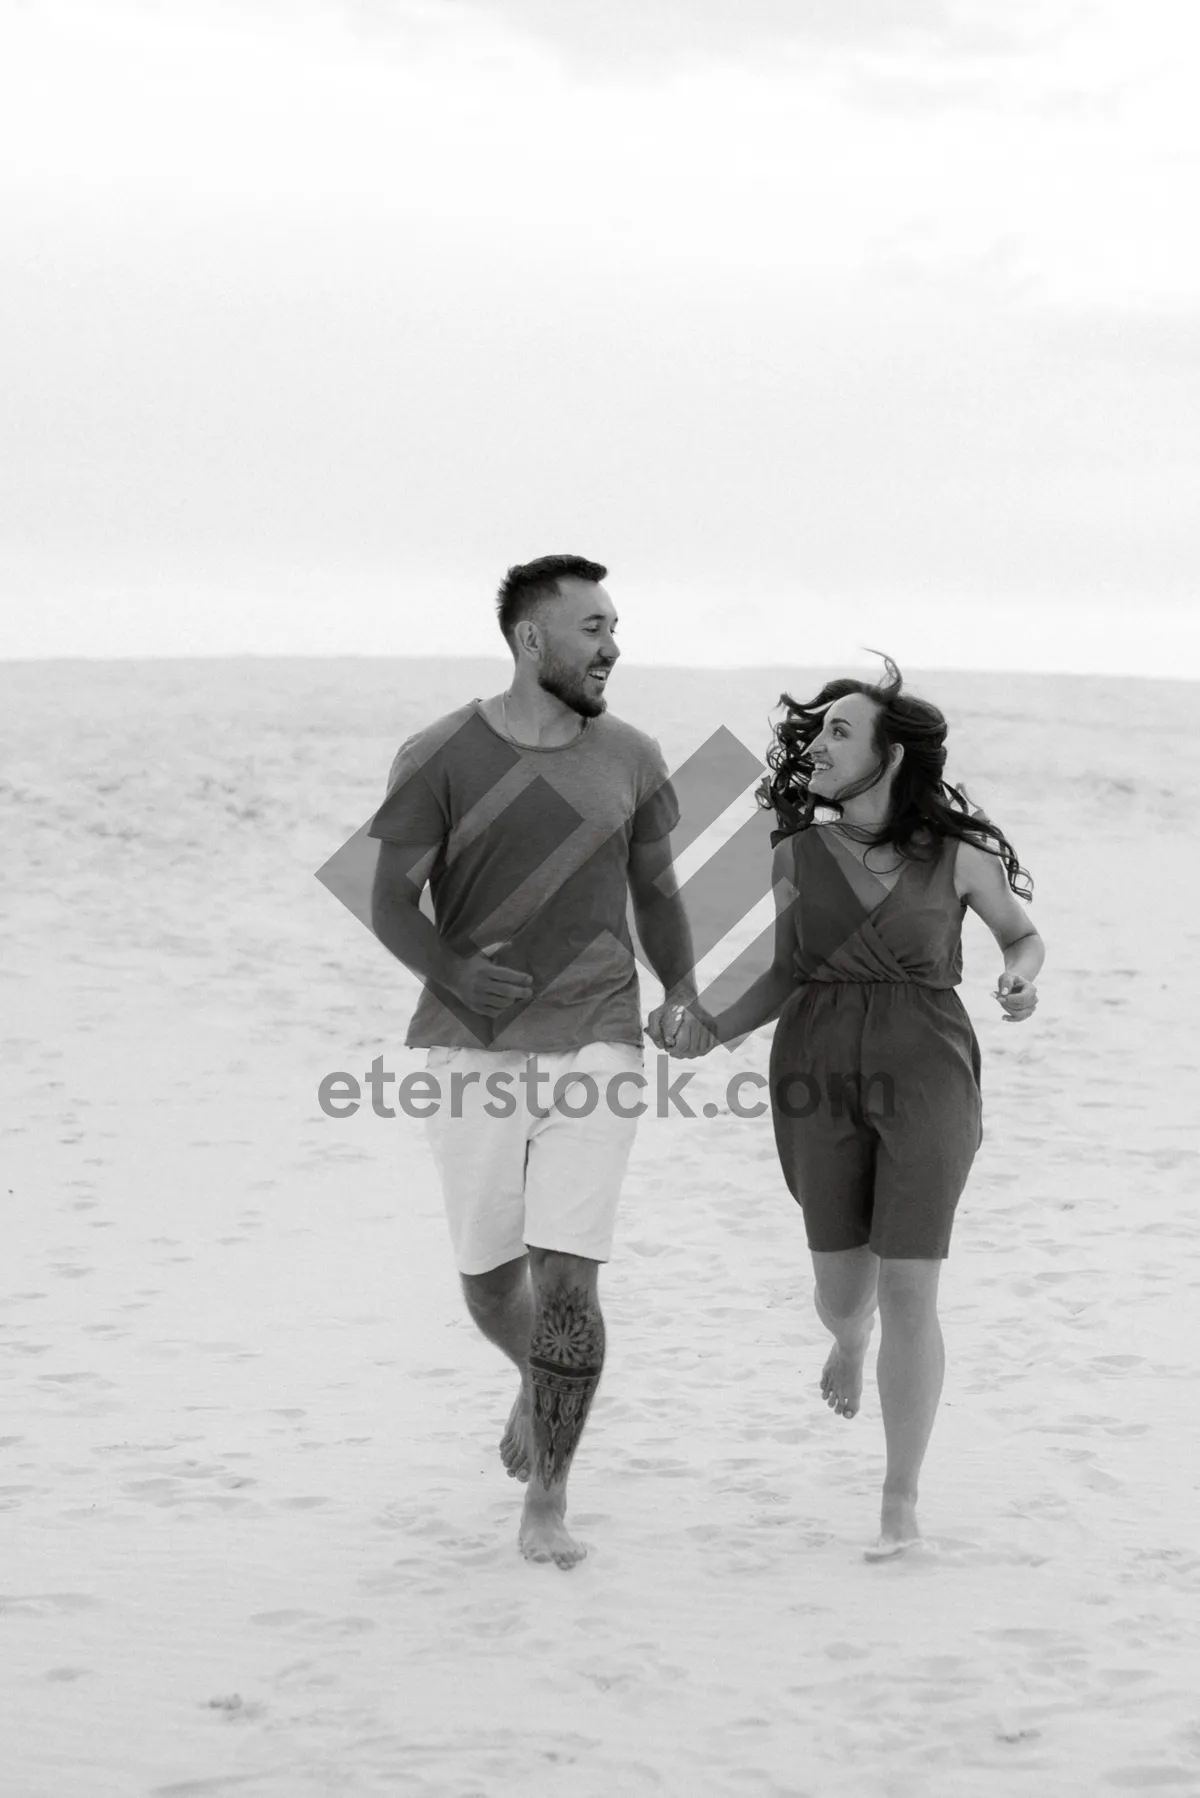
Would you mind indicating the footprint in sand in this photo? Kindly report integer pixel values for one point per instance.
(382, 1585)
(1098, 1481)
(236, 1709)
(1028, 1636)
(47, 1604)
(396, 1515)
(610, 1679)
(156, 1492)
(1145, 1779)
(313, 1625)
(201, 1788)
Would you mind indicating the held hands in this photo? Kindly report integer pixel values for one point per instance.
(683, 1030)
(487, 986)
(1018, 998)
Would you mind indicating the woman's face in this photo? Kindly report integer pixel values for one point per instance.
(844, 754)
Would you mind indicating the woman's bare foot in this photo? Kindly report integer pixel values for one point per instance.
(898, 1528)
(842, 1375)
(544, 1535)
(516, 1442)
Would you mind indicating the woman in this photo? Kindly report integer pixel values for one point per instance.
(874, 1072)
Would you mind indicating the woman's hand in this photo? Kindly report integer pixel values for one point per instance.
(684, 1031)
(1018, 998)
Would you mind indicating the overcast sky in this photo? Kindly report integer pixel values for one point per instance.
(823, 323)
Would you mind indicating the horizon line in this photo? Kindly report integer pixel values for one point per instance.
(721, 668)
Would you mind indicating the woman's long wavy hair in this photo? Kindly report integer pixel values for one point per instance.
(925, 808)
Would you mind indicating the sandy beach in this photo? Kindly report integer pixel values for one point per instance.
(256, 1537)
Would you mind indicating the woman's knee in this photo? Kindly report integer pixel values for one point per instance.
(846, 1303)
(908, 1290)
(845, 1282)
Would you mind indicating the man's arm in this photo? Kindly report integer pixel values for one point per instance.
(396, 915)
(402, 927)
(662, 924)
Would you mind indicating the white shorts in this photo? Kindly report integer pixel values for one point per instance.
(521, 1180)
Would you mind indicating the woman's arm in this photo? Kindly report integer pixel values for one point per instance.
(765, 998)
(980, 879)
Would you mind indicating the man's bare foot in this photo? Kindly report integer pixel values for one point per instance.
(544, 1535)
(842, 1376)
(516, 1443)
(897, 1529)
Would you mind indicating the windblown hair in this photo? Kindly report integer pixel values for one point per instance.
(524, 587)
(925, 808)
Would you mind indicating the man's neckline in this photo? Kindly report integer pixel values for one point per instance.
(532, 748)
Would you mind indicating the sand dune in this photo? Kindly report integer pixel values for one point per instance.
(257, 1539)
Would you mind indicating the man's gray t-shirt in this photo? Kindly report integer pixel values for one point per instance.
(530, 847)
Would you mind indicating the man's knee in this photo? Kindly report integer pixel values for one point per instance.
(568, 1325)
(496, 1289)
(553, 1270)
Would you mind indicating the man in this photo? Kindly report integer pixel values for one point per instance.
(534, 815)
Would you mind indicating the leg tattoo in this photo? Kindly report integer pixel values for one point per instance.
(566, 1356)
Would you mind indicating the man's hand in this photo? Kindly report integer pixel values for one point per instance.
(654, 1026)
(1018, 998)
(683, 1030)
(487, 986)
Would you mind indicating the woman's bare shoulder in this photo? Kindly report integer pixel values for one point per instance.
(976, 866)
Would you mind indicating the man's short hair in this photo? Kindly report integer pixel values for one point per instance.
(525, 586)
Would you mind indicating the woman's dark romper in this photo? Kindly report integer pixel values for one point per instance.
(875, 1067)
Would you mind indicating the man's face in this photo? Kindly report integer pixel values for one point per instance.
(578, 645)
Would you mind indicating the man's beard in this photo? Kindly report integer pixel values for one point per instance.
(569, 687)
